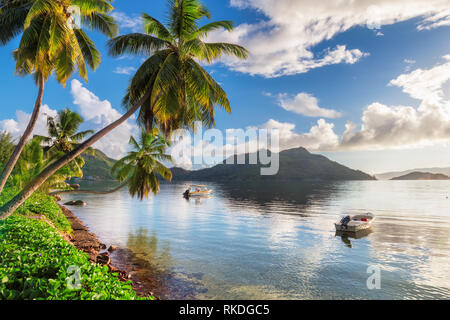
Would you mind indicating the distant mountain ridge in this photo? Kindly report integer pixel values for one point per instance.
(422, 176)
(295, 164)
(394, 174)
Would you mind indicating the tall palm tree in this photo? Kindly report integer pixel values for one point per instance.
(52, 43)
(141, 167)
(181, 89)
(194, 89)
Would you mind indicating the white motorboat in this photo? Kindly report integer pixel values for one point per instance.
(355, 223)
(197, 191)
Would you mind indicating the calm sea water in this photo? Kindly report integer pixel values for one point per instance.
(278, 241)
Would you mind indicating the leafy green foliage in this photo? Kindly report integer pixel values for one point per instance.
(51, 41)
(141, 167)
(39, 204)
(181, 91)
(6, 147)
(33, 160)
(35, 263)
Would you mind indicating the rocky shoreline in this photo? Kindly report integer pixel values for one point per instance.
(98, 252)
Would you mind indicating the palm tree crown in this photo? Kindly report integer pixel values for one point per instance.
(63, 131)
(181, 91)
(50, 40)
(143, 164)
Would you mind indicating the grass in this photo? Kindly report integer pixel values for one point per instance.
(36, 262)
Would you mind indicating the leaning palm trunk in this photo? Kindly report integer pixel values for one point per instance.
(18, 150)
(121, 186)
(9, 208)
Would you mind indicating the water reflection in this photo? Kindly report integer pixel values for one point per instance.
(346, 236)
(151, 265)
(278, 241)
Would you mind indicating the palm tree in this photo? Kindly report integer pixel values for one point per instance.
(181, 89)
(31, 162)
(152, 93)
(50, 43)
(64, 137)
(141, 167)
(63, 131)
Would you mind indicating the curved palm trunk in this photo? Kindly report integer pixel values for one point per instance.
(89, 191)
(9, 208)
(18, 149)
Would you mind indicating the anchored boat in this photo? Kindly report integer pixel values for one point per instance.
(197, 191)
(355, 223)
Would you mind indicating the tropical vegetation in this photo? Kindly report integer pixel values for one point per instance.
(36, 264)
(170, 90)
(141, 167)
(52, 42)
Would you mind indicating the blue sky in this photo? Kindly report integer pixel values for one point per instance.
(337, 59)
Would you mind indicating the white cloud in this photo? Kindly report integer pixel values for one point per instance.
(96, 114)
(283, 43)
(382, 126)
(307, 105)
(320, 137)
(127, 22)
(425, 85)
(405, 126)
(17, 126)
(435, 21)
(124, 70)
(99, 114)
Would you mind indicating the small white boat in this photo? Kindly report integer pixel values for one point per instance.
(355, 223)
(197, 191)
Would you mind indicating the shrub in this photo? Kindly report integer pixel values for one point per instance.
(35, 262)
(39, 204)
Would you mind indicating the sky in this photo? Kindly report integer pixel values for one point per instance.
(365, 83)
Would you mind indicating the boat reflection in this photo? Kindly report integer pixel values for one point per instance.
(198, 200)
(346, 236)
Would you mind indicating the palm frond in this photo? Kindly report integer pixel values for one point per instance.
(135, 43)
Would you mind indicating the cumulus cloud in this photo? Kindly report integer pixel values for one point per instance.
(383, 126)
(124, 70)
(96, 114)
(283, 42)
(320, 137)
(17, 126)
(405, 126)
(100, 113)
(307, 105)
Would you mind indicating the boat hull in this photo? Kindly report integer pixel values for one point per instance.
(356, 223)
(347, 228)
(199, 194)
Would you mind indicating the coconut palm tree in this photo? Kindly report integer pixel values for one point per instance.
(52, 43)
(141, 167)
(63, 131)
(181, 89)
(64, 137)
(170, 84)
